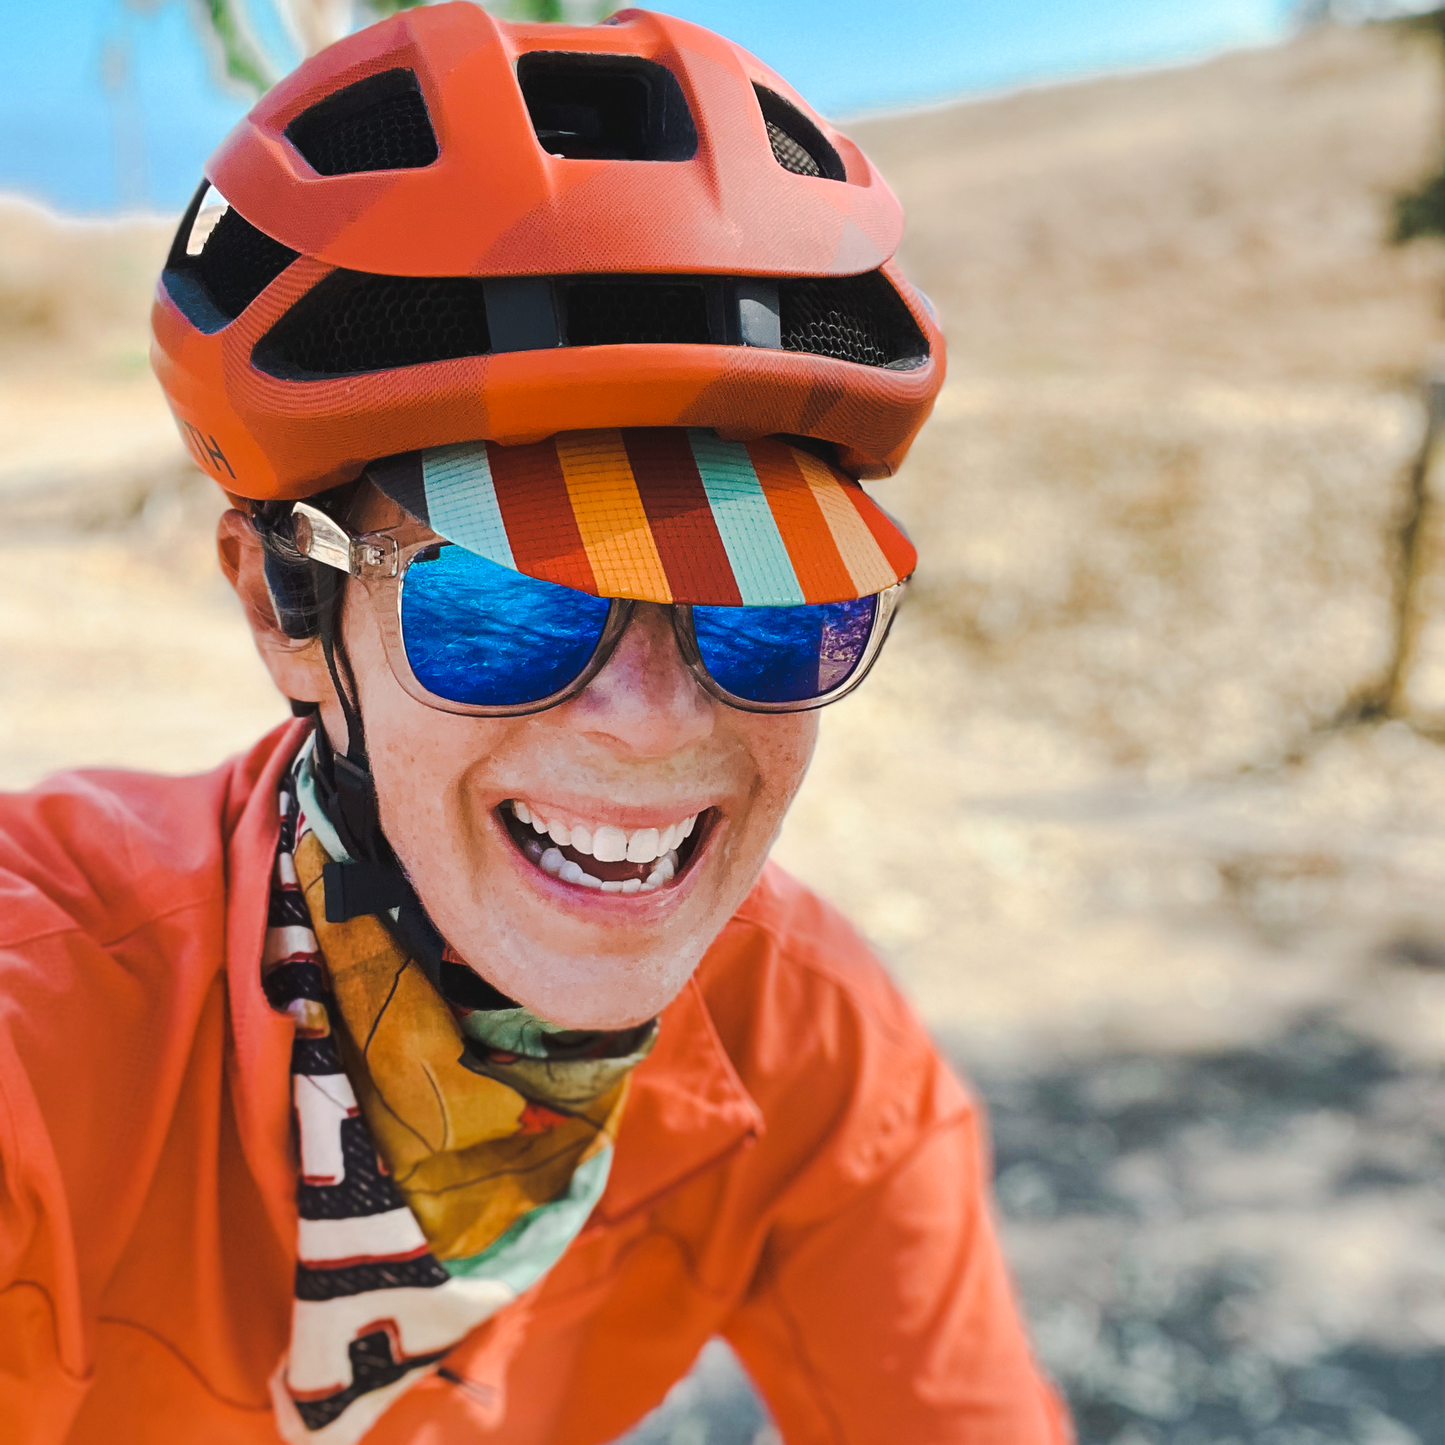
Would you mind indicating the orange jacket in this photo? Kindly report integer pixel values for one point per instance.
(797, 1170)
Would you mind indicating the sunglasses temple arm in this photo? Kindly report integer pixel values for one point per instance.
(324, 540)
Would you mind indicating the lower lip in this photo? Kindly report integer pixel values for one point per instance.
(592, 900)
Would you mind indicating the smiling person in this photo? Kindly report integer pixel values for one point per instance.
(453, 1066)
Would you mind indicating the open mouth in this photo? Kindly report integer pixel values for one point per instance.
(602, 856)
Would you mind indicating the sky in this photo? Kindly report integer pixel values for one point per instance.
(113, 105)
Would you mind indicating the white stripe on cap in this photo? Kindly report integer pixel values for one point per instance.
(461, 501)
(760, 562)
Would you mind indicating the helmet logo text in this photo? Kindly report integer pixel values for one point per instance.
(207, 449)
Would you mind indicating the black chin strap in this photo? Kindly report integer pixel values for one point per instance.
(351, 805)
(375, 882)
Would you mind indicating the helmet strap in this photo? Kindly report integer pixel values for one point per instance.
(348, 790)
(374, 883)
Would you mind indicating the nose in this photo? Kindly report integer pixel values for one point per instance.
(645, 702)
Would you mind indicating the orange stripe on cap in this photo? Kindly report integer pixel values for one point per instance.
(610, 516)
(902, 555)
(821, 571)
(868, 565)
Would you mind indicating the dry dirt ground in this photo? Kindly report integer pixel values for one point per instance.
(1116, 805)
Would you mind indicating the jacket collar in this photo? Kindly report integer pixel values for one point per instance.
(258, 1062)
(686, 1111)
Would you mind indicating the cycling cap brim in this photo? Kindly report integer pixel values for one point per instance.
(659, 515)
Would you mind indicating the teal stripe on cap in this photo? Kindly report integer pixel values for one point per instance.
(461, 501)
(750, 537)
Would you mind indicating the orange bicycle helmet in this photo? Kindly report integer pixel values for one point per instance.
(448, 229)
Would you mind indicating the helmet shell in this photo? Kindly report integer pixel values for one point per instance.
(495, 203)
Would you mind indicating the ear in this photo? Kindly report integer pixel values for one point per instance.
(296, 667)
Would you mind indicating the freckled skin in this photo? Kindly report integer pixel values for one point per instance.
(643, 735)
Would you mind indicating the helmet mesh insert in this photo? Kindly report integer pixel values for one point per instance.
(789, 154)
(356, 322)
(635, 312)
(353, 323)
(378, 124)
(853, 318)
(798, 145)
(237, 263)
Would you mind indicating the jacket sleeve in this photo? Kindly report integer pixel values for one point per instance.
(894, 1320)
(43, 1357)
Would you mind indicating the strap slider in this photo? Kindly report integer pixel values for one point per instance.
(359, 890)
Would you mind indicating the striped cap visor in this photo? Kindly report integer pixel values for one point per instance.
(658, 514)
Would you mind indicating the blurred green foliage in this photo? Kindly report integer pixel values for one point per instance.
(1421, 211)
(244, 61)
(242, 58)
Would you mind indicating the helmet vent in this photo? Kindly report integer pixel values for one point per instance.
(378, 124)
(853, 318)
(798, 145)
(238, 263)
(630, 313)
(606, 107)
(215, 273)
(353, 322)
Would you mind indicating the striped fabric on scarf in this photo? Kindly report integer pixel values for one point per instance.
(416, 1224)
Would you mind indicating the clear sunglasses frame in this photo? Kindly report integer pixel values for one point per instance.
(378, 562)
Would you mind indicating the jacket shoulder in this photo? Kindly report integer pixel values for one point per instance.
(841, 1067)
(103, 851)
(785, 944)
(115, 1014)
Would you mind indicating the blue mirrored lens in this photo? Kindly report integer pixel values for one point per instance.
(783, 654)
(478, 633)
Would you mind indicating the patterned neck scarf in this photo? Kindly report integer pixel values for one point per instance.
(448, 1155)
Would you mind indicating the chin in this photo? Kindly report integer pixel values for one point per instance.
(589, 990)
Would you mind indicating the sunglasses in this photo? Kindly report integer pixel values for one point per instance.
(467, 635)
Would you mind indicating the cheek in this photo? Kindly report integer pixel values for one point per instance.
(420, 757)
(780, 747)
(783, 746)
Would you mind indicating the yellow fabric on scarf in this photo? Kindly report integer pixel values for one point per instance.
(470, 1154)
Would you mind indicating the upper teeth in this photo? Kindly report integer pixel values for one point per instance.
(606, 842)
